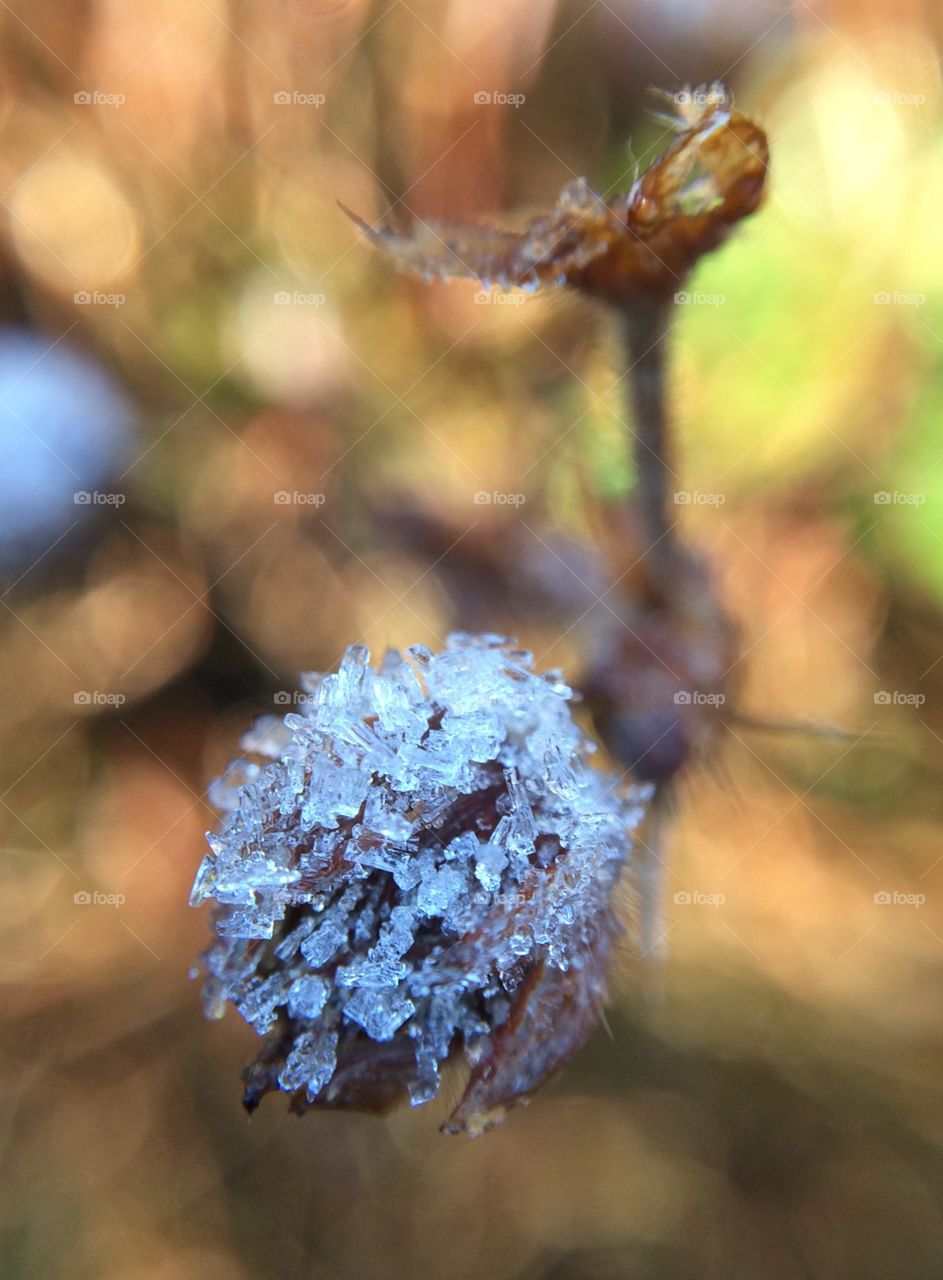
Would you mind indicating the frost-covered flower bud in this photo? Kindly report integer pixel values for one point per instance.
(424, 864)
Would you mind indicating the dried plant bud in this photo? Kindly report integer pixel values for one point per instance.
(660, 670)
(424, 864)
(642, 244)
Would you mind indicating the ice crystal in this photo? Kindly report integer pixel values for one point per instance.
(422, 861)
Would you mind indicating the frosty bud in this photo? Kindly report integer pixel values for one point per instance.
(418, 862)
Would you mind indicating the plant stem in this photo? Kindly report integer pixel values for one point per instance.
(646, 328)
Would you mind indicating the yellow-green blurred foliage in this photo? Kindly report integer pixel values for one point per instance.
(775, 1108)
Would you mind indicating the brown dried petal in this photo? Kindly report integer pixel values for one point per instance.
(641, 244)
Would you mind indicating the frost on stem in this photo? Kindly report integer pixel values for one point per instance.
(420, 861)
(426, 862)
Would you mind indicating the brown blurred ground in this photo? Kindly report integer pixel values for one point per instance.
(777, 1112)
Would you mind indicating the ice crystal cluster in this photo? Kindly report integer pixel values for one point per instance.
(417, 860)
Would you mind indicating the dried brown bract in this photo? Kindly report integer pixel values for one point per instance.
(639, 245)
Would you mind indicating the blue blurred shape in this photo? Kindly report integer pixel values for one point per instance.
(65, 430)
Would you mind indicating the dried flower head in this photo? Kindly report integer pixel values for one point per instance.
(638, 246)
(425, 863)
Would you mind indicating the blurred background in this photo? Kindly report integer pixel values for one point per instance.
(233, 440)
